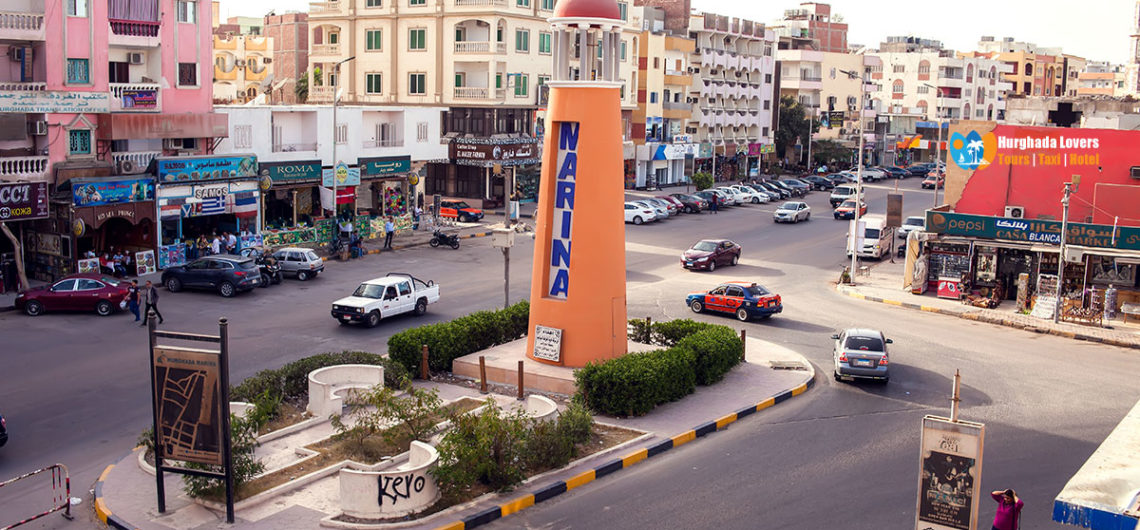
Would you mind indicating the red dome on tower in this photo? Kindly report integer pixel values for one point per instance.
(587, 9)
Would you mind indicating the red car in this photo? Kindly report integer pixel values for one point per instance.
(78, 292)
(459, 210)
(932, 180)
(708, 253)
(847, 210)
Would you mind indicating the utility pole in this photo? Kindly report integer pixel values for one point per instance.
(507, 187)
(336, 100)
(811, 124)
(1070, 187)
(859, 174)
(938, 142)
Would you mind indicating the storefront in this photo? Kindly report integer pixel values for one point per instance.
(386, 180)
(21, 205)
(663, 165)
(113, 215)
(470, 174)
(293, 197)
(204, 196)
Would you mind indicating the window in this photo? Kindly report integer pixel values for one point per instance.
(460, 34)
(767, 106)
(924, 67)
(522, 40)
(900, 68)
(187, 74)
(342, 134)
(897, 87)
(656, 63)
(417, 39)
(374, 3)
(522, 85)
(623, 10)
(543, 79)
(79, 142)
(499, 34)
(77, 72)
(374, 40)
(417, 2)
(76, 8)
(417, 84)
(422, 132)
(188, 11)
(243, 136)
(544, 42)
(522, 3)
(546, 5)
(374, 83)
(623, 50)
(768, 78)
(765, 132)
(923, 89)
(334, 38)
(460, 79)
(653, 97)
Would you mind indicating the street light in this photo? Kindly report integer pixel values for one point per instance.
(938, 144)
(1070, 188)
(859, 175)
(336, 99)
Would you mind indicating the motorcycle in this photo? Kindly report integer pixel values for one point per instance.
(266, 264)
(439, 238)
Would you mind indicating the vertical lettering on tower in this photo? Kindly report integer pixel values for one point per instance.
(562, 218)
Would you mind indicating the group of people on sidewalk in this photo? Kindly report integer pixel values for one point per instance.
(227, 243)
(147, 297)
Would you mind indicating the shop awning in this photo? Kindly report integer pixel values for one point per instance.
(159, 126)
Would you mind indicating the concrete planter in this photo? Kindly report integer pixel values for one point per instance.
(328, 386)
(397, 487)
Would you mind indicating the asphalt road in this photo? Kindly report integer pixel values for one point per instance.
(75, 387)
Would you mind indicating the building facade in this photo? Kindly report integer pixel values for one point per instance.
(93, 93)
(815, 21)
(485, 60)
(1033, 70)
(942, 85)
(290, 35)
(664, 111)
(243, 67)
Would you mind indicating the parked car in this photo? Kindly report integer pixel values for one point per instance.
(842, 178)
(637, 214)
(384, 297)
(777, 191)
(677, 204)
(660, 211)
(744, 300)
(795, 191)
(670, 208)
(692, 203)
(300, 262)
(893, 172)
(709, 253)
(847, 209)
(819, 183)
(708, 195)
(919, 170)
(843, 192)
(751, 196)
(79, 292)
(861, 354)
(3, 431)
(871, 174)
(792, 212)
(225, 273)
(914, 222)
(933, 180)
(876, 238)
(266, 264)
(732, 196)
(767, 196)
(460, 210)
(801, 187)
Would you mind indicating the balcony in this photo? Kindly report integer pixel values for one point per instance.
(290, 148)
(474, 92)
(22, 26)
(481, 47)
(321, 94)
(678, 78)
(142, 33)
(140, 159)
(481, 3)
(6, 86)
(224, 75)
(326, 50)
(388, 142)
(135, 97)
(323, 8)
(15, 168)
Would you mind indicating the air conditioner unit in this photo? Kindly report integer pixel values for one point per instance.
(1016, 212)
(135, 58)
(1134, 172)
(130, 167)
(267, 60)
(15, 53)
(38, 128)
(241, 93)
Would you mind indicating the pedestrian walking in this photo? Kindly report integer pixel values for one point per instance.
(389, 230)
(1008, 516)
(133, 299)
(151, 294)
(714, 204)
(216, 245)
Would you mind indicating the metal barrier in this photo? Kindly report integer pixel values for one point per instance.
(60, 492)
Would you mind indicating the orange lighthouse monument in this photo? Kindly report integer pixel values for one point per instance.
(577, 292)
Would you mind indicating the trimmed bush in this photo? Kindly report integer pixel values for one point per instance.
(291, 382)
(448, 341)
(716, 350)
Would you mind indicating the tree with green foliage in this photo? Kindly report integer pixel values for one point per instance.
(301, 88)
(830, 151)
(702, 180)
(794, 124)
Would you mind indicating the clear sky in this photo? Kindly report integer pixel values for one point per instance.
(1094, 29)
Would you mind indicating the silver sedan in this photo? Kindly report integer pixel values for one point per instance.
(861, 354)
(792, 212)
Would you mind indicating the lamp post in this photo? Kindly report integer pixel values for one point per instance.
(1070, 187)
(859, 175)
(336, 100)
(938, 143)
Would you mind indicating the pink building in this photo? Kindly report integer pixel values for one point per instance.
(99, 88)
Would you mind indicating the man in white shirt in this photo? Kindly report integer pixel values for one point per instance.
(231, 243)
(215, 245)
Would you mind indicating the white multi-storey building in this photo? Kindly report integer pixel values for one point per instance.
(941, 85)
(828, 83)
(733, 69)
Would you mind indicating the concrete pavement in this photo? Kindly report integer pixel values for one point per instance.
(125, 493)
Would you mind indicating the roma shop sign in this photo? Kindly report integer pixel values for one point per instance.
(287, 171)
(23, 201)
(1032, 230)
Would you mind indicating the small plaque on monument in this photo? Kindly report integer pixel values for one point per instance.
(547, 343)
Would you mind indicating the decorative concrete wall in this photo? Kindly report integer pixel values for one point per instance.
(398, 487)
(541, 408)
(328, 386)
(240, 408)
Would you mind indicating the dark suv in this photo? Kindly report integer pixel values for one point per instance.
(226, 274)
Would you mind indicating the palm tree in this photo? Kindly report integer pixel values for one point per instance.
(975, 147)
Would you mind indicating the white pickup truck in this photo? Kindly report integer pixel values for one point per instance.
(380, 298)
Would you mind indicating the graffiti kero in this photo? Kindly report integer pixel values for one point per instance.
(563, 219)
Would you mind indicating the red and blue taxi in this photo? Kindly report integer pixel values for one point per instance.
(460, 210)
(745, 300)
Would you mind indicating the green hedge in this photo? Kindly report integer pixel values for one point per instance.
(291, 382)
(448, 341)
(634, 384)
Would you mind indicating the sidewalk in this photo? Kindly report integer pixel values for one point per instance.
(125, 493)
(884, 285)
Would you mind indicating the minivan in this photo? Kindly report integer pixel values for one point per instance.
(876, 237)
(843, 192)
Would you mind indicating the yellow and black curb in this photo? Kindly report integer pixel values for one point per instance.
(555, 489)
(102, 511)
(988, 319)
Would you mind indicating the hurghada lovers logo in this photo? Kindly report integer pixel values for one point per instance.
(977, 151)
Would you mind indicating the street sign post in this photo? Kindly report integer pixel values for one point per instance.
(950, 471)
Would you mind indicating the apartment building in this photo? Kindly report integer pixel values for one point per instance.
(1033, 70)
(664, 110)
(94, 89)
(941, 84)
(1102, 79)
(815, 21)
(243, 67)
(733, 93)
(290, 35)
(485, 60)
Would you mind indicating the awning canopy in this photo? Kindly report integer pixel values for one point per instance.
(161, 126)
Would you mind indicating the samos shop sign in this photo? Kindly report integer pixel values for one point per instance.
(1032, 231)
(563, 218)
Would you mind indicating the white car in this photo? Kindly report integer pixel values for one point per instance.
(394, 294)
(753, 196)
(873, 175)
(660, 211)
(792, 212)
(637, 214)
(912, 223)
(735, 195)
(768, 195)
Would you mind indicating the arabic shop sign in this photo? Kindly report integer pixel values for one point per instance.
(187, 168)
(479, 152)
(386, 165)
(31, 101)
(140, 99)
(293, 171)
(340, 176)
(98, 193)
(1032, 231)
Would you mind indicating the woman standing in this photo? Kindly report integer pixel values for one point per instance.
(1008, 516)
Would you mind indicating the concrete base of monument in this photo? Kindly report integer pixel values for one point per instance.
(503, 368)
